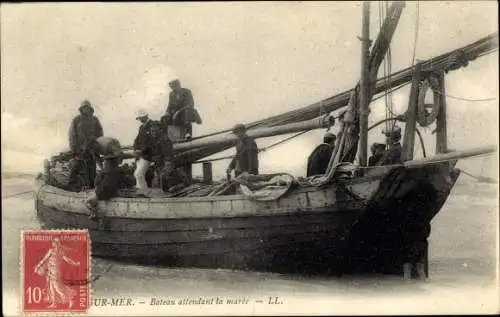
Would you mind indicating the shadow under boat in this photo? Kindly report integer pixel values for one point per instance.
(356, 225)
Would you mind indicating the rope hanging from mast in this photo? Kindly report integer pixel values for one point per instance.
(389, 124)
(415, 38)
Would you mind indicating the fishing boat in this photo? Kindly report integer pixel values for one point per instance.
(352, 218)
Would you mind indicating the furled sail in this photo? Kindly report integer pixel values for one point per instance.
(446, 62)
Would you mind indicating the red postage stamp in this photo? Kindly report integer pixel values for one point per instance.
(55, 270)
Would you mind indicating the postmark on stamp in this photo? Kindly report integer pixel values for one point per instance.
(55, 271)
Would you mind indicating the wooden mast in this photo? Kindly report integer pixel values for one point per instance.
(364, 96)
(410, 117)
(441, 137)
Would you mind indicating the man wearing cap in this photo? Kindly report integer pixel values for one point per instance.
(378, 151)
(160, 150)
(247, 154)
(84, 130)
(173, 178)
(141, 148)
(109, 180)
(180, 112)
(318, 161)
(394, 151)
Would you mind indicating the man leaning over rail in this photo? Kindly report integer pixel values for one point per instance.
(109, 180)
(247, 154)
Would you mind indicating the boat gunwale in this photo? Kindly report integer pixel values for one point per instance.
(373, 174)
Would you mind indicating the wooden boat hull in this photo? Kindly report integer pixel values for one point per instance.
(308, 229)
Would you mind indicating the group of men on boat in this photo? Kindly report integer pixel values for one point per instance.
(155, 165)
(381, 153)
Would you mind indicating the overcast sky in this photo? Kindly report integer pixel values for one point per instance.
(243, 62)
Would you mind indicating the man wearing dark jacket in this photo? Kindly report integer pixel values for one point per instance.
(378, 151)
(394, 149)
(160, 150)
(173, 178)
(318, 161)
(110, 179)
(177, 114)
(84, 130)
(247, 154)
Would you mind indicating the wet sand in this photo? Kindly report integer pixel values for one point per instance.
(463, 272)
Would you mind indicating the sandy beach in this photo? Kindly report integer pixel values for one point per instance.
(463, 272)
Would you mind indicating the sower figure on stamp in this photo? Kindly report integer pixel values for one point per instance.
(50, 266)
(247, 154)
(84, 130)
(317, 163)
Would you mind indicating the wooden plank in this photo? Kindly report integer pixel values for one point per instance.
(197, 208)
(207, 173)
(178, 237)
(214, 247)
(131, 225)
(450, 156)
(441, 130)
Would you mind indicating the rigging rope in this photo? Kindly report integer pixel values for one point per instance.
(387, 71)
(464, 99)
(479, 178)
(415, 38)
(18, 194)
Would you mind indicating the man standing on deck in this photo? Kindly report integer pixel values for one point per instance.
(247, 153)
(394, 150)
(180, 113)
(179, 117)
(378, 151)
(318, 161)
(141, 149)
(160, 150)
(84, 130)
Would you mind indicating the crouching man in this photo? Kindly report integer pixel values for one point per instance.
(173, 178)
(108, 181)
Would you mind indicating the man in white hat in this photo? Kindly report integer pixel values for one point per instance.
(141, 145)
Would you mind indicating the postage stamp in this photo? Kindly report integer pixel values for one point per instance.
(55, 271)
